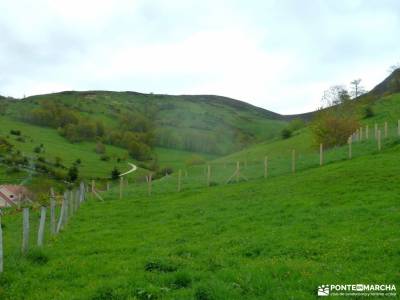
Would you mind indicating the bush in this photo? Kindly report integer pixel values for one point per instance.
(333, 130)
(100, 148)
(368, 112)
(104, 157)
(15, 132)
(58, 162)
(73, 173)
(195, 160)
(286, 133)
(37, 149)
(115, 174)
(139, 151)
(296, 124)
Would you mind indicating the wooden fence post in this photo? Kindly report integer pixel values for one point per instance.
(361, 133)
(71, 209)
(376, 131)
(179, 180)
(366, 132)
(350, 141)
(52, 212)
(41, 226)
(82, 192)
(121, 185)
(293, 161)
(25, 230)
(386, 129)
(379, 140)
(208, 175)
(237, 171)
(61, 217)
(398, 127)
(1, 247)
(266, 167)
(149, 180)
(321, 154)
(108, 186)
(66, 208)
(77, 199)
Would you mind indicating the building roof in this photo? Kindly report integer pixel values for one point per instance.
(12, 193)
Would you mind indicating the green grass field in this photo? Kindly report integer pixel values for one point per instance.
(260, 238)
(277, 238)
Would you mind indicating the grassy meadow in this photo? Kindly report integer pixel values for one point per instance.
(255, 238)
(276, 238)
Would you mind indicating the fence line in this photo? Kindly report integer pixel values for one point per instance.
(361, 142)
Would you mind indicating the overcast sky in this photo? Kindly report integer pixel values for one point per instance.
(280, 55)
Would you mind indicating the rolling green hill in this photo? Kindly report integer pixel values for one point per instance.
(266, 239)
(182, 126)
(210, 124)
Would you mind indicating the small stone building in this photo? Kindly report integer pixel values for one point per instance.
(11, 195)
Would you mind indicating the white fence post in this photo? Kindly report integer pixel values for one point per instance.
(1, 247)
(25, 230)
(52, 212)
(62, 215)
(41, 226)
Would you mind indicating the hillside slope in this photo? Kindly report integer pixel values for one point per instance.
(267, 239)
(204, 123)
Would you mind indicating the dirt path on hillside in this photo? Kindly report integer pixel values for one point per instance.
(133, 169)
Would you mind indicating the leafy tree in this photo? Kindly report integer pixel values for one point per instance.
(115, 174)
(286, 133)
(296, 124)
(368, 112)
(100, 148)
(139, 151)
(73, 173)
(332, 129)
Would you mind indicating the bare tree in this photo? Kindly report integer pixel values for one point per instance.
(335, 95)
(356, 88)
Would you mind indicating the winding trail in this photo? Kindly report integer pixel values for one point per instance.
(133, 169)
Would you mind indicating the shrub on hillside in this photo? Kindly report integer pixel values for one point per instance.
(195, 160)
(296, 124)
(139, 151)
(15, 132)
(333, 130)
(115, 174)
(5, 146)
(73, 173)
(100, 148)
(286, 133)
(368, 112)
(105, 157)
